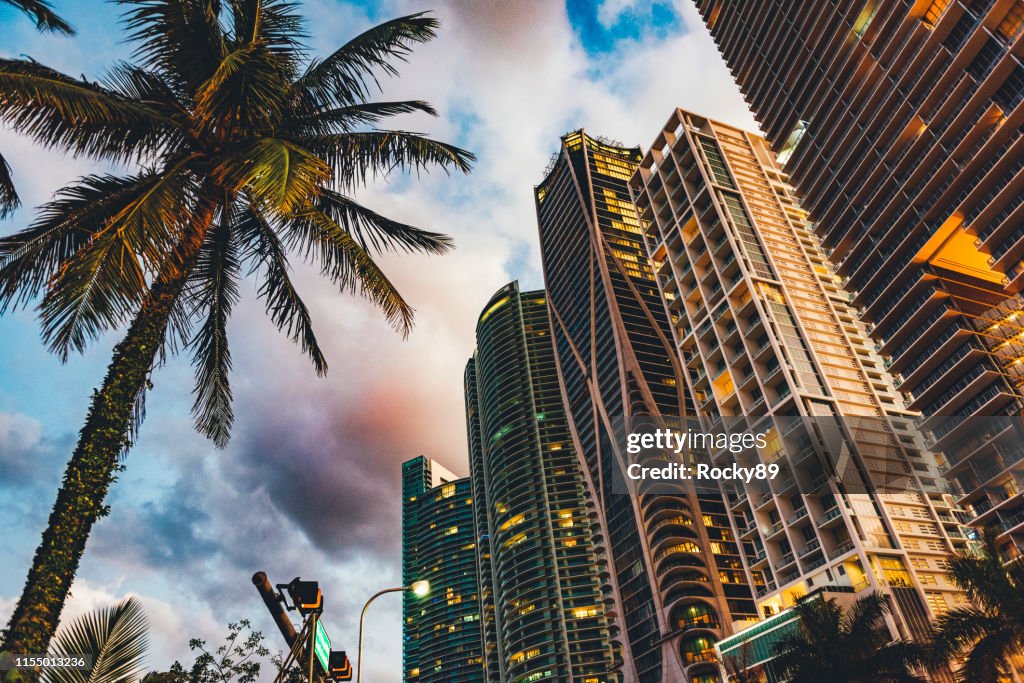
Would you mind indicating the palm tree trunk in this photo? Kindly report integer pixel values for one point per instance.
(94, 463)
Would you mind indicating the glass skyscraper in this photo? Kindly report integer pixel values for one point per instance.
(900, 125)
(542, 605)
(674, 576)
(440, 632)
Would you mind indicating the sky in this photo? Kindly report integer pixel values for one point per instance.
(310, 483)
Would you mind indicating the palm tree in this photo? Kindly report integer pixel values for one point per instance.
(46, 20)
(246, 152)
(989, 635)
(851, 646)
(115, 638)
(42, 12)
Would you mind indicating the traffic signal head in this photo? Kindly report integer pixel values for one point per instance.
(340, 667)
(306, 596)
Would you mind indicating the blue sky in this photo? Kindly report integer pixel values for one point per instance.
(309, 484)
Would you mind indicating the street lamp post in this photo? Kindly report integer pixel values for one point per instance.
(419, 589)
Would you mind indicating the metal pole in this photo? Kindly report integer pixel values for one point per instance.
(312, 645)
(270, 599)
(294, 655)
(362, 615)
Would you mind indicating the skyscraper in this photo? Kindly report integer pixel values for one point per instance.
(675, 576)
(543, 609)
(772, 344)
(899, 123)
(440, 632)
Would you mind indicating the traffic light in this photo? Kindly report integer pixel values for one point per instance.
(306, 596)
(340, 667)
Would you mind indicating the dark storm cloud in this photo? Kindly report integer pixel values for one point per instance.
(333, 473)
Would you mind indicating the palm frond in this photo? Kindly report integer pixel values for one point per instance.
(274, 23)
(9, 200)
(103, 282)
(360, 156)
(348, 118)
(990, 657)
(216, 292)
(278, 175)
(181, 39)
(247, 88)
(347, 264)
(377, 233)
(981, 575)
(344, 76)
(116, 639)
(893, 662)
(149, 87)
(865, 615)
(81, 117)
(284, 305)
(958, 629)
(42, 13)
(30, 258)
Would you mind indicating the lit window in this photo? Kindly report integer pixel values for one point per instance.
(935, 11)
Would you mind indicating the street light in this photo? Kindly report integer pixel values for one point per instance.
(418, 588)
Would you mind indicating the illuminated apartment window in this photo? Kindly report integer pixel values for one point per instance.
(789, 146)
(895, 573)
(584, 612)
(860, 27)
(515, 540)
(936, 601)
(1009, 27)
(448, 490)
(511, 522)
(935, 11)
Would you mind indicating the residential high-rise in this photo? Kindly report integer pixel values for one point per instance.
(675, 578)
(543, 608)
(440, 632)
(772, 345)
(900, 125)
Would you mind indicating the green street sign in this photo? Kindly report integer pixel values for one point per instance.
(321, 645)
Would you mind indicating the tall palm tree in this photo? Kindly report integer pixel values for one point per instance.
(42, 12)
(46, 20)
(115, 638)
(989, 636)
(851, 646)
(246, 152)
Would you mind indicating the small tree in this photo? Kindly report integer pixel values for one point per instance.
(237, 659)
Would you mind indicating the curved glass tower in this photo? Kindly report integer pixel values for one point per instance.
(676, 577)
(440, 632)
(543, 609)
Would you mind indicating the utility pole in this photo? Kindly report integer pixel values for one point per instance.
(305, 597)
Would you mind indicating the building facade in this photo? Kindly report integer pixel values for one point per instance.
(673, 573)
(900, 123)
(544, 610)
(772, 345)
(441, 636)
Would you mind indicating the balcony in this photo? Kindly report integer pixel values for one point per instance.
(812, 546)
(831, 514)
